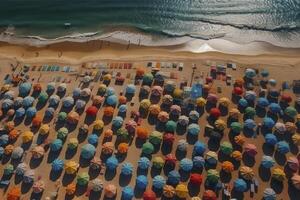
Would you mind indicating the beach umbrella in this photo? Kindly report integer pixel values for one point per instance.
(14, 193)
(283, 147)
(147, 148)
(170, 126)
(264, 73)
(182, 145)
(286, 98)
(38, 186)
(76, 92)
(62, 133)
(274, 108)
(220, 124)
(200, 102)
(196, 179)
(110, 191)
(73, 143)
(234, 113)
(250, 73)
(167, 99)
(173, 177)
(177, 93)
(98, 124)
(145, 104)
(140, 72)
(8, 170)
(158, 162)
(127, 193)
(183, 120)
(278, 174)
(280, 127)
(145, 90)
(4, 139)
(71, 167)
(62, 116)
(62, 87)
(10, 113)
(97, 185)
(224, 101)
(8, 149)
(236, 127)
(122, 133)
(290, 127)
(175, 110)
(71, 188)
(49, 112)
(24, 89)
(193, 129)
(249, 124)
(108, 111)
(28, 176)
(237, 155)
(168, 138)
(211, 157)
(27, 136)
(92, 111)
(9, 95)
(155, 137)
(239, 139)
(237, 91)
(56, 145)
(123, 109)
(123, 148)
(158, 182)
(296, 139)
(293, 163)
(149, 195)
(226, 147)
(199, 148)
(296, 181)
(43, 97)
(112, 163)
(227, 166)
(198, 162)
(250, 149)
(68, 102)
(57, 165)
(250, 96)
(186, 164)
(127, 169)
(141, 182)
(215, 113)
(170, 160)
(21, 168)
(28, 101)
(272, 82)
(154, 109)
(240, 185)
(97, 100)
(243, 103)
(194, 115)
(86, 92)
(50, 87)
(131, 126)
(102, 89)
(269, 194)
(250, 112)
(142, 132)
(54, 100)
(80, 104)
(163, 116)
(247, 173)
(168, 191)
(130, 89)
(7, 103)
(38, 152)
(147, 79)
(31, 112)
(291, 112)
(212, 98)
(87, 151)
(263, 102)
(268, 122)
(143, 163)
(271, 139)
(156, 91)
(83, 178)
(267, 162)
(10, 125)
(108, 148)
(117, 122)
(212, 176)
(13, 134)
(181, 191)
(169, 86)
(20, 112)
(96, 163)
(112, 100)
(93, 139)
(107, 77)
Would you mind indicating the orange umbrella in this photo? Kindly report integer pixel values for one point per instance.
(142, 132)
(140, 72)
(122, 100)
(13, 134)
(227, 167)
(37, 87)
(8, 149)
(73, 117)
(108, 148)
(108, 133)
(110, 191)
(237, 155)
(10, 125)
(71, 188)
(239, 139)
(36, 121)
(108, 111)
(14, 194)
(123, 147)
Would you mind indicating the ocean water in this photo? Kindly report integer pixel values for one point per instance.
(273, 21)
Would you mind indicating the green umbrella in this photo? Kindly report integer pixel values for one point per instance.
(226, 148)
(62, 133)
(250, 112)
(43, 97)
(9, 169)
(156, 137)
(148, 78)
(62, 116)
(171, 126)
(83, 179)
(213, 176)
(147, 148)
(236, 127)
(291, 111)
(122, 133)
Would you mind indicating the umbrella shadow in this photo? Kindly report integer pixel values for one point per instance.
(18, 179)
(139, 142)
(213, 145)
(166, 148)
(52, 156)
(184, 176)
(280, 158)
(191, 139)
(264, 173)
(36, 196)
(180, 154)
(260, 112)
(95, 195)
(109, 174)
(248, 160)
(138, 193)
(180, 130)
(124, 180)
(80, 189)
(54, 175)
(70, 153)
(25, 187)
(67, 179)
(225, 177)
(155, 171)
(268, 149)
(152, 119)
(34, 163)
(277, 186)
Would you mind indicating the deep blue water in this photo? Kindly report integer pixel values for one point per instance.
(198, 18)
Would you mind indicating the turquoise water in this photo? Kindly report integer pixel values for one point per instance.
(249, 19)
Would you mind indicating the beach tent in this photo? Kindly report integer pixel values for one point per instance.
(274, 108)
(71, 189)
(183, 120)
(271, 139)
(68, 102)
(127, 169)
(108, 111)
(98, 124)
(54, 100)
(14, 193)
(283, 147)
(167, 99)
(143, 163)
(296, 181)
(112, 163)
(145, 104)
(57, 165)
(159, 182)
(168, 191)
(24, 89)
(28, 176)
(199, 148)
(38, 186)
(247, 173)
(127, 193)
(181, 191)
(38, 152)
(293, 163)
(141, 182)
(227, 166)
(7, 104)
(226, 148)
(110, 191)
(193, 129)
(249, 124)
(170, 126)
(198, 162)
(97, 100)
(62, 116)
(71, 167)
(97, 185)
(56, 145)
(149, 195)
(83, 179)
(107, 148)
(250, 149)
(269, 194)
(87, 151)
(80, 104)
(278, 174)
(147, 148)
(186, 164)
(122, 133)
(240, 185)
(267, 162)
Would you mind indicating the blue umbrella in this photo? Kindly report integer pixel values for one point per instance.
(144, 163)
(20, 112)
(199, 148)
(194, 115)
(267, 162)
(249, 124)
(141, 182)
(87, 151)
(186, 164)
(182, 145)
(117, 122)
(24, 88)
(54, 100)
(243, 103)
(268, 122)
(173, 177)
(93, 139)
(49, 112)
(193, 129)
(31, 112)
(56, 145)
(76, 92)
(275, 108)
(1, 150)
(269, 194)
(57, 164)
(169, 86)
(198, 162)
(110, 91)
(240, 185)
(271, 139)
(18, 102)
(274, 93)
(272, 82)
(283, 147)
(21, 168)
(264, 73)
(112, 163)
(123, 108)
(112, 100)
(68, 102)
(50, 87)
(7, 104)
(80, 104)
(250, 73)
(159, 182)
(262, 102)
(127, 168)
(127, 193)
(4, 139)
(9, 95)
(28, 101)
(250, 96)
(130, 89)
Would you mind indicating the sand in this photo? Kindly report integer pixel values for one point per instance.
(281, 66)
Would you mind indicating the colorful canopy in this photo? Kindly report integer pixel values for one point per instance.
(199, 148)
(155, 137)
(224, 101)
(62, 87)
(73, 143)
(97, 100)
(158, 162)
(20, 112)
(269, 194)
(250, 73)
(142, 132)
(170, 126)
(250, 149)
(181, 191)
(28, 176)
(198, 162)
(274, 108)
(220, 124)
(71, 167)
(24, 88)
(247, 173)
(143, 163)
(117, 122)
(98, 124)
(163, 116)
(108, 148)
(193, 129)
(68, 102)
(169, 191)
(21, 168)
(31, 112)
(249, 124)
(167, 99)
(62, 116)
(112, 100)
(227, 166)
(110, 191)
(62, 133)
(57, 165)
(43, 97)
(291, 112)
(8, 170)
(262, 102)
(271, 139)
(147, 148)
(194, 115)
(267, 162)
(183, 120)
(236, 127)
(211, 157)
(240, 185)
(141, 182)
(54, 100)
(283, 147)
(215, 112)
(97, 185)
(14, 193)
(27, 136)
(154, 109)
(71, 188)
(212, 176)
(80, 104)
(173, 177)
(83, 178)
(127, 193)
(268, 122)
(156, 91)
(243, 103)
(149, 195)
(196, 179)
(278, 174)
(96, 163)
(38, 152)
(186, 164)
(17, 153)
(226, 147)
(108, 111)
(237, 155)
(112, 163)
(127, 169)
(87, 151)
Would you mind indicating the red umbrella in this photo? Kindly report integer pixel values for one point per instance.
(169, 138)
(170, 159)
(215, 112)
(196, 179)
(286, 98)
(209, 195)
(209, 79)
(92, 111)
(149, 195)
(237, 91)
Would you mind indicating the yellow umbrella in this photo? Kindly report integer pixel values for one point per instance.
(247, 173)
(5, 88)
(8, 149)
(220, 124)
(10, 125)
(239, 139)
(169, 191)
(98, 124)
(71, 167)
(200, 102)
(278, 174)
(27, 136)
(195, 198)
(107, 77)
(44, 129)
(181, 191)
(296, 139)
(224, 101)
(154, 109)
(237, 155)
(145, 104)
(177, 93)
(234, 113)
